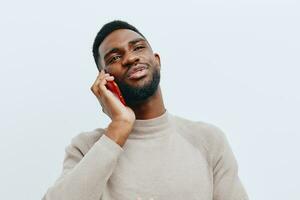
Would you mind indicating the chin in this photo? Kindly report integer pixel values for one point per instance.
(137, 90)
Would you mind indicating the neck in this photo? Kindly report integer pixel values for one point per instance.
(151, 107)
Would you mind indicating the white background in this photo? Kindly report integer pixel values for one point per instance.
(231, 63)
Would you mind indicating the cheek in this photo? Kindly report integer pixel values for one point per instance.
(114, 70)
(151, 60)
(155, 64)
(111, 72)
(154, 68)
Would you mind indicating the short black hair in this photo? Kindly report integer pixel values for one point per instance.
(105, 31)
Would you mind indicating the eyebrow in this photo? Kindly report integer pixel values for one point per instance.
(132, 42)
(114, 50)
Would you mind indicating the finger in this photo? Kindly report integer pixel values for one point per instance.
(102, 88)
(98, 88)
(102, 76)
(99, 78)
(102, 81)
(95, 86)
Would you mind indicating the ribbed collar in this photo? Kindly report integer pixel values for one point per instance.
(152, 128)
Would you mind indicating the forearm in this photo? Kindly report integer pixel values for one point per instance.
(89, 177)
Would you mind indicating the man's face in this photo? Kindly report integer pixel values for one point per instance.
(129, 58)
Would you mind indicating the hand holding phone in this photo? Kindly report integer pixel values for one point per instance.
(109, 96)
(113, 87)
(112, 103)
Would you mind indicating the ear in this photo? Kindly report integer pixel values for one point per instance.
(157, 59)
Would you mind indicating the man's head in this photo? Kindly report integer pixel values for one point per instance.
(122, 51)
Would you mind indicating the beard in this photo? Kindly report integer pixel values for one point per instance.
(134, 95)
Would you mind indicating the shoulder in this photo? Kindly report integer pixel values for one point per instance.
(201, 134)
(85, 140)
(205, 131)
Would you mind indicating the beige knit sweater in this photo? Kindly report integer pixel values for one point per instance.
(164, 158)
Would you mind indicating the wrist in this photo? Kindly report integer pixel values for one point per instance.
(119, 131)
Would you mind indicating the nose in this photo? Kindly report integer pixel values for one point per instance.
(130, 59)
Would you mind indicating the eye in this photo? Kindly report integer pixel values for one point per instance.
(138, 47)
(114, 59)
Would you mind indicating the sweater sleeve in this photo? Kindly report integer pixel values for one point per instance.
(227, 184)
(85, 176)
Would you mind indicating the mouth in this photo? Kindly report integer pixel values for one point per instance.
(137, 72)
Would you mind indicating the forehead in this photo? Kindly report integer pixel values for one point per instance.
(117, 39)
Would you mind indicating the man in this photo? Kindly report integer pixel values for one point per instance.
(145, 152)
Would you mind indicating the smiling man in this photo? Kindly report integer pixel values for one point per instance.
(145, 152)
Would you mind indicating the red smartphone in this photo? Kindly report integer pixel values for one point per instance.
(113, 87)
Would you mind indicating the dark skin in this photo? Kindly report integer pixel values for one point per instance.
(121, 50)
